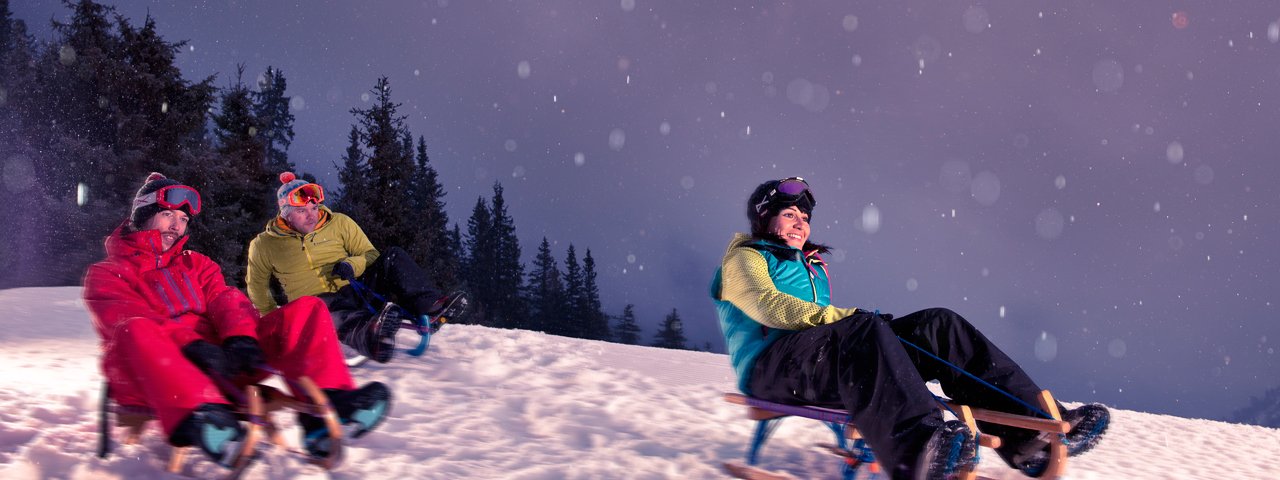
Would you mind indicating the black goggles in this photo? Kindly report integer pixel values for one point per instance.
(789, 191)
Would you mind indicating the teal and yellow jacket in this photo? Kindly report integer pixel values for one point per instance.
(764, 291)
(304, 263)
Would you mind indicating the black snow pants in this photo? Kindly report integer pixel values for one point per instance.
(859, 364)
(394, 276)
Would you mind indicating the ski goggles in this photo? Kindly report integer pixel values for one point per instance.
(304, 194)
(171, 197)
(789, 191)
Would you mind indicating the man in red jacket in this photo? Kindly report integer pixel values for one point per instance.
(170, 324)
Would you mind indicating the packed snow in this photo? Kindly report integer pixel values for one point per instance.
(490, 403)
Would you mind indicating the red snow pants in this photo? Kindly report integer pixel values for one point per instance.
(146, 368)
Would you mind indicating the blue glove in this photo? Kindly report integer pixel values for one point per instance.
(344, 271)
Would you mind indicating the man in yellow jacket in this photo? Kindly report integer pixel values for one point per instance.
(312, 250)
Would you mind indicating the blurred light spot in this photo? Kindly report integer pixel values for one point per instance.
(1108, 75)
(82, 194)
(1116, 348)
(522, 69)
(1002, 311)
(617, 138)
(1180, 20)
(850, 23)
(926, 49)
(628, 5)
(1204, 175)
(686, 182)
(976, 19)
(766, 77)
(912, 284)
(664, 128)
(710, 87)
(1046, 347)
(1060, 182)
(857, 60)
(745, 133)
(1156, 207)
(1273, 31)
(1176, 242)
(509, 145)
(986, 271)
(417, 72)
(364, 97)
(517, 172)
(1174, 152)
(579, 159)
(297, 103)
(631, 258)
(1049, 224)
(870, 219)
(985, 188)
(67, 55)
(164, 107)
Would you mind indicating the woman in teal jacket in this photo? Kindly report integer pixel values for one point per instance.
(788, 344)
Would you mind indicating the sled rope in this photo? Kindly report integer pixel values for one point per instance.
(1029, 406)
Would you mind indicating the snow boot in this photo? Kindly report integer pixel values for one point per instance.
(215, 429)
(1088, 424)
(360, 410)
(950, 449)
(374, 336)
(450, 307)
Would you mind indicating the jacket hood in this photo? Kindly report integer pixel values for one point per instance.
(144, 245)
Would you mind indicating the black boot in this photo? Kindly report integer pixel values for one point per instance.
(214, 428)
(1088, 424)
(374, 336)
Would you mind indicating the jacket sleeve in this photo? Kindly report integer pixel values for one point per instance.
(746, 285)
(227, 308)
(113, 302)
(360, 251)
(258, 278)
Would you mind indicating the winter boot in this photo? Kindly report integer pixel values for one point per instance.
(1088, 423)
(449, 307)
(950, 449)
(361, 410)
(214, 428)
(375, 336)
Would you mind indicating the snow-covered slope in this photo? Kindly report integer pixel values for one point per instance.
(488, 403)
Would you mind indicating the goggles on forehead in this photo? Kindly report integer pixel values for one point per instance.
(304, 194)
(172, 197)
(789, 191)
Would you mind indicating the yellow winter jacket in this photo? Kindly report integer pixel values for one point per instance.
(303, 264)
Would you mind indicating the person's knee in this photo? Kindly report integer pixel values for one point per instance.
(944, 318)
(396, 252)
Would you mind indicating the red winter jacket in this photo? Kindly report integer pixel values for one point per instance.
(180, 290)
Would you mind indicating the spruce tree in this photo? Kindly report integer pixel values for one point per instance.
(595, 323)
(628, 331)
(390, 170)
(431, 242)
(508, 274)
(353, 189)
(671, 335)
(271, 106)
(480, 264)
(573, 296)
(545, 292)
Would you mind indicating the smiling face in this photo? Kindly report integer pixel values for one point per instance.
(172, 225)
(792, 225)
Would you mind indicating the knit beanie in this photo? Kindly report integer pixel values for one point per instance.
(290, 182)
(139, 215)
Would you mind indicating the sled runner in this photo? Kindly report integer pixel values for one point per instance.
(857, 453)
(253, 404)
(425, 328)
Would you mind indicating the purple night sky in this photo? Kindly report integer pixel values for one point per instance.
(1092, 183)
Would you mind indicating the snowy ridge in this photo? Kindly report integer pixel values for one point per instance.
(489, 403)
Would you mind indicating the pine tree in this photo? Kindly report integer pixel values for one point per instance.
(271, 107)
(431, 243)
(390, 170)
(508, 275)
(671, 335)
(351, 195)
(573, 296)
(628, 330)
(595, 323)
(545, 293)
(479, 265)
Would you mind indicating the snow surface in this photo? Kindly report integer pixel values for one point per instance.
(490, 403)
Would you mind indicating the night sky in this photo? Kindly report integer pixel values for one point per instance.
(1093, 185)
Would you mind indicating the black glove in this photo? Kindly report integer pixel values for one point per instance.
(344, 271)
(208, 357)
(243, 354)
